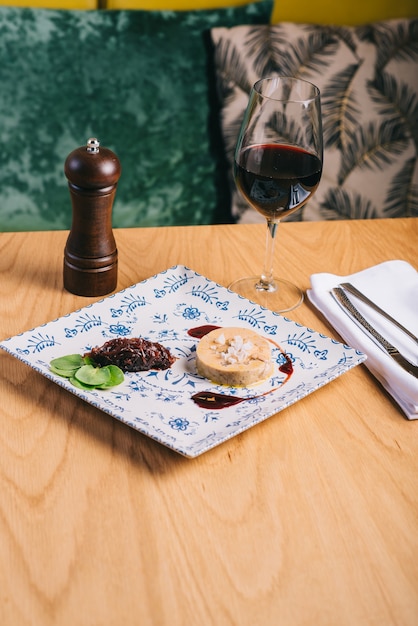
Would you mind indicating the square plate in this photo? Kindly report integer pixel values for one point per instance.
(159, 404)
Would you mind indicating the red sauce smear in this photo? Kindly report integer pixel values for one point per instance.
(212, 400)
(287, 368)
(201, 331)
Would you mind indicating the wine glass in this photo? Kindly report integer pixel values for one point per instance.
(277, 168)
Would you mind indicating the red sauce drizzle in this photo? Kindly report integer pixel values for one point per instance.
(287, 368)
(201, 331)
(211, 400)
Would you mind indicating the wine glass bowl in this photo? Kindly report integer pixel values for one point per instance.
(277, 169)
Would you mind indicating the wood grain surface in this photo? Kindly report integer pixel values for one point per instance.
(309, 518)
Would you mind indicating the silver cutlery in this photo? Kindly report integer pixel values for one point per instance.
(350, 288)
(346, 304)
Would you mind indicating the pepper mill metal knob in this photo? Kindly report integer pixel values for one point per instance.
(90, 255)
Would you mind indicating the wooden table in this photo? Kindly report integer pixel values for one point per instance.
(309, 518)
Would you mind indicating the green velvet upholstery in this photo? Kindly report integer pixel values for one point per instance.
(141, 82)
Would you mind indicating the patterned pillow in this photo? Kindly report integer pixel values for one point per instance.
(137, 80)
(369, 97)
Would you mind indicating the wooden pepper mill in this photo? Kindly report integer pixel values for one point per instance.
(90, 255)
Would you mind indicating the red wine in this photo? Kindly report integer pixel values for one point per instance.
(277, 179)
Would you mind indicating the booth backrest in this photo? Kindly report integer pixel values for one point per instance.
(141, 76)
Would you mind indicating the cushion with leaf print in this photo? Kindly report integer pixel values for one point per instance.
(367, 76)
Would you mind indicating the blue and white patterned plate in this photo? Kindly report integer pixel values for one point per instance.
(159, 404)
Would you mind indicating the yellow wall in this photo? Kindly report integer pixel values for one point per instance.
(349, 12)
(182, 5)
(53, 4)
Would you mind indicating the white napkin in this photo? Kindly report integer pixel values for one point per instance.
(392, 285)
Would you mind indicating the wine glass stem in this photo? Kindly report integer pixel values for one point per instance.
(266, 282)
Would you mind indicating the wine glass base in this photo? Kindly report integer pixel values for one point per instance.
(285, 297)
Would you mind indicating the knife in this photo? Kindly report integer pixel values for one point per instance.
(346, 304)
(349, 287)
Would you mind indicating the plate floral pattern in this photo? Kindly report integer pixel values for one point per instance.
(159, 404)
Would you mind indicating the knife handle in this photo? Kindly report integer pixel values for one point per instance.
(392, 351)
(351, 289)
(347, 304)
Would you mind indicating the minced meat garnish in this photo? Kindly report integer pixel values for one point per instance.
(133, 354)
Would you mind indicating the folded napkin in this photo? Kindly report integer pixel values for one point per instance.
(393, 286)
